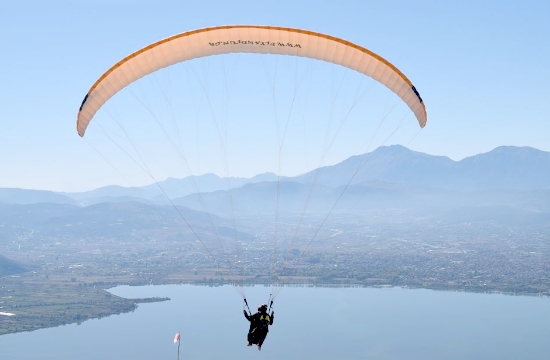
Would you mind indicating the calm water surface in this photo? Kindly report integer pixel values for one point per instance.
(310, 323)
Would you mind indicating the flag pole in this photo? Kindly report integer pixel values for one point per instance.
(177, 339)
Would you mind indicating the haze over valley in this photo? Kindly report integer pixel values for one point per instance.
(405, 219)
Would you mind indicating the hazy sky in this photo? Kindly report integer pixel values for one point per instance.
(482, 68)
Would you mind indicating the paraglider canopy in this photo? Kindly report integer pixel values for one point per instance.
(247, 39)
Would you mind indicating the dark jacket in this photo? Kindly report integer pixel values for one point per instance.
(259, 319)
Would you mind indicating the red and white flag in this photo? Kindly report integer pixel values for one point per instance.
(176, 338)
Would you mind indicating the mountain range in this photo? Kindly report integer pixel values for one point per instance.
(507, 178)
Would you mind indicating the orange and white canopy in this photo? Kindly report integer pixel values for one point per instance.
(247, 39)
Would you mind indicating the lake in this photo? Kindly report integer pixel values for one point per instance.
(310, 323)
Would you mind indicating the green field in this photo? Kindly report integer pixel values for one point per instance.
(49, 301)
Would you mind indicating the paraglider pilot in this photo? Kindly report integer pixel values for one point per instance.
(259, 325)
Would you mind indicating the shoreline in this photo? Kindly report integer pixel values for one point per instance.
(58, 302)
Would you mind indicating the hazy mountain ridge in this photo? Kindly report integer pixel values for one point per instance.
(264, 198)
(99, 219)
(29, 196)
(173, 188)
(505, 167)
(514, 179)
(10, 267)
(393, 164)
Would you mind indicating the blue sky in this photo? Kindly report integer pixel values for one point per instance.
(482, 68)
